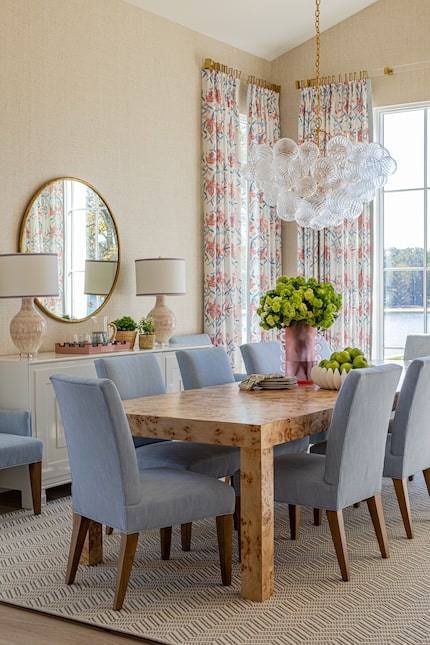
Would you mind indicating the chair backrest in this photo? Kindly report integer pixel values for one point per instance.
(409, 428)
(102, 457)
(262, 358)
(203, 367)
(191, 339)
(358, 430)
(134, 376)
(416, 346)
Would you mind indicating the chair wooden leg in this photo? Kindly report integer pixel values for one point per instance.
(186, 536)
(109, 530)
(357, 504)
(337, 529)
(35, 471)
(401, 488)
(125, 563)
(377, 514)
(411, 478)
(166, 541)
(317, 516)
(294, 513)
(426, 474)
(224, 526)
(79, 532)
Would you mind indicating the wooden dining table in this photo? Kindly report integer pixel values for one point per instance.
(255, 421)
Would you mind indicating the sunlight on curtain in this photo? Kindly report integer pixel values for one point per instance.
(264, 226)
(221, 210)
(341, 254)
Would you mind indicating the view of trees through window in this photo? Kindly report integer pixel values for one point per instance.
(405, 243)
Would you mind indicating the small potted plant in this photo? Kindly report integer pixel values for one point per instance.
(126, 330)
(146, 329)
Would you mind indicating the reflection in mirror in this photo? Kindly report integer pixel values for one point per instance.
(69, 217)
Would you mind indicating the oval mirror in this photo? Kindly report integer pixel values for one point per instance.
(69, 217)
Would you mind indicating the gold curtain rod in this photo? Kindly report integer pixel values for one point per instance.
(261, 83)
(211, 64)
(326, 80)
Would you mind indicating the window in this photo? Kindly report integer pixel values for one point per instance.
(402, 243)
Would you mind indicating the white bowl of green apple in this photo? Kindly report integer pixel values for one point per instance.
(331, 372)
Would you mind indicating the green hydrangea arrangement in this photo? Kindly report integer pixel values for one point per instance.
(296, 300)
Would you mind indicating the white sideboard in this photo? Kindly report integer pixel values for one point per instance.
(26, 385)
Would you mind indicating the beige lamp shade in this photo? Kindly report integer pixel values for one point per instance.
(28, 276)
(161, 277)
(99, 277)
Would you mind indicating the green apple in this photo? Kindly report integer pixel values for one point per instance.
(344, 357)
(334, 356)
(333, 365)
(345, 367)
(323, 362)
(359, 362)
(356, 352)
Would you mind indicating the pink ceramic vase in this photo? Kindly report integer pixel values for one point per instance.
(299, 347)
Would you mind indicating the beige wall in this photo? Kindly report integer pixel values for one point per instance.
(389, 33)
(104, 91)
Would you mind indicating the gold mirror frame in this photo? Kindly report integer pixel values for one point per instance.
(67, 199)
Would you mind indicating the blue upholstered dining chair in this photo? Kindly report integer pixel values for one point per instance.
(108, 488)
(416, 345)
(262, 357)
(351, 469)
(140, 375)
(408, 441)
(19, 448)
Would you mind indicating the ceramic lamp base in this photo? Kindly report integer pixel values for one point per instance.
(27, 329)
(164, 321)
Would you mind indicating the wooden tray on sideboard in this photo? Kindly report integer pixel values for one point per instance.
(89, 348)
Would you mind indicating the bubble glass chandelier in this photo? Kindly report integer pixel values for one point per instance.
(319, 188)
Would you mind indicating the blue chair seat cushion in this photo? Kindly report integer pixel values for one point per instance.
(206, 459)
(167, 495)
(17, 450)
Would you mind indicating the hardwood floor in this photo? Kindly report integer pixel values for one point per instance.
(27, 627)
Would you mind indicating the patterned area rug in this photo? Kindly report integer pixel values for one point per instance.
(183, 602)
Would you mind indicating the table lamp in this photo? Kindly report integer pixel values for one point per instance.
(99, 277)
(161, 277)
(28, 276)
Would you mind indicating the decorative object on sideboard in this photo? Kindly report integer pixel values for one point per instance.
(146, 329)
(126, 330)
(318, 188)
(91, 348)
(27, 276)
(161, 277)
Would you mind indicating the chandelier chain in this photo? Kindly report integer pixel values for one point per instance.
(318, 72)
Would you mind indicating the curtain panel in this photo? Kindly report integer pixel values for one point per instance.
(342, 254)
(221, 210)
(264, 226)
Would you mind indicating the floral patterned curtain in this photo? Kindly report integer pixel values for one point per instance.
(342, 254)
(221, 210)
(264, 226)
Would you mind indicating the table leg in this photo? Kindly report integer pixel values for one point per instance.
(257, 523)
